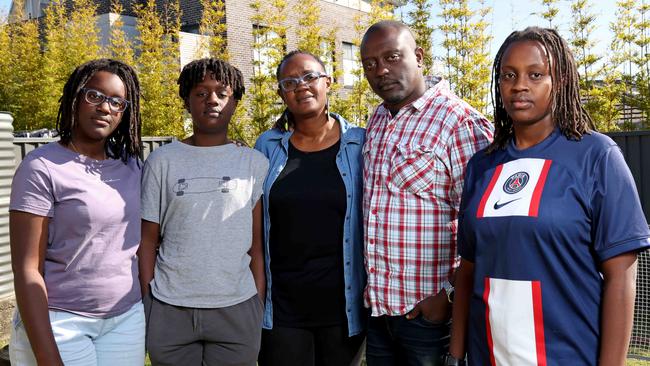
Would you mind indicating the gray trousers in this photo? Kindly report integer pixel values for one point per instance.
(227, 336)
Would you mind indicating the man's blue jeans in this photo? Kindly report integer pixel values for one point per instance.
(395, 340)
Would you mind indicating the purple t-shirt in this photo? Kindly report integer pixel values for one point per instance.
(91, 267)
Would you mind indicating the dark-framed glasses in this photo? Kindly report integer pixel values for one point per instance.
(95, 97)
(290, 84)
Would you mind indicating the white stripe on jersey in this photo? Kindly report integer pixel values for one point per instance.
(514, 322)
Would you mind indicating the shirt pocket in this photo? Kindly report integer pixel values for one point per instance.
(414, 168)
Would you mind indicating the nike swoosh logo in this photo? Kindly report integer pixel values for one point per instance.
(498, 205)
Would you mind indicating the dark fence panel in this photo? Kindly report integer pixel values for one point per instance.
(636, 149)
(23, 145)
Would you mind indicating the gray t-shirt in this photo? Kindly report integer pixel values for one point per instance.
(90, 265)
(203, 198)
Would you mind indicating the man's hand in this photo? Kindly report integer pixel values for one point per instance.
(435, 309)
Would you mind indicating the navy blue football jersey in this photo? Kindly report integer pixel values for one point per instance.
(537, 223)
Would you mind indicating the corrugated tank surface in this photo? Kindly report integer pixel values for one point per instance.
(7, 167)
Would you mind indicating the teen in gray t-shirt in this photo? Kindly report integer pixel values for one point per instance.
(203, 197)
(201, 208)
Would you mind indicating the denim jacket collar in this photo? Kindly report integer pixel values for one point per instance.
(345, 138)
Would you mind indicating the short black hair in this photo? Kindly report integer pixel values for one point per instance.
(194, 73)
(125, 141)
(567, 113)
(286, 120)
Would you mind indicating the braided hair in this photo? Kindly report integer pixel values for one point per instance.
(194, 73)
(567, 110)
(125, 141)
(286, 120)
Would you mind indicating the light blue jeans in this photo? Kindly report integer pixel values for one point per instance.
(84, 341)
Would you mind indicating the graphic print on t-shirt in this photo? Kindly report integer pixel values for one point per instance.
(514, 322)
(204, 185)
(515, 189)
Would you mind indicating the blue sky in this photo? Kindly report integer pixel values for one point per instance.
(509, 15)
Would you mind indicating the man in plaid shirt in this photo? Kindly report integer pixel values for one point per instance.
(418, 142)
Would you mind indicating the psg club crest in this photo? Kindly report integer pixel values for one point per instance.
(516, 182)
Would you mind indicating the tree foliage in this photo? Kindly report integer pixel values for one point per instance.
(467, 59)
(359, 101)
(423, 32)
(120, 46)
(262, 104)
(21, 90)
(213, 26)
(162, 109)
(550, 11)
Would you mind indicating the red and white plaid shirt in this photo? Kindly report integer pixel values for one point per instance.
(414, 164)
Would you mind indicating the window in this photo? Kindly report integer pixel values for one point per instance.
(350, 63)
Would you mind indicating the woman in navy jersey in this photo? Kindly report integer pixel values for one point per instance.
(550, 224)
(312, 225)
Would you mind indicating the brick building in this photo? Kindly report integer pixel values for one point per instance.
(339, 14)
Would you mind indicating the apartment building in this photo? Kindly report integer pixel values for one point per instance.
(339, 14)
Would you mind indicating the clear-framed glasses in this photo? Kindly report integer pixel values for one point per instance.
(95, 97)
(290, 84)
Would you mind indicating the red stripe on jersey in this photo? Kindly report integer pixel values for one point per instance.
(486, 297)
(540, 345)
(537, 193)
(488, 191)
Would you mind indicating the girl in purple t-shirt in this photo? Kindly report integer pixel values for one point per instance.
(75, 228)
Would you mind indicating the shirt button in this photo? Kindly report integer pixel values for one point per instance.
(372, 270)
(344, 174)
(349, 287)
(347, 217)
(374, 212)
(371, 241)
(347, 263)
(349, 196)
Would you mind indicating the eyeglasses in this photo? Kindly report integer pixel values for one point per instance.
(94, 97)
(291, 84)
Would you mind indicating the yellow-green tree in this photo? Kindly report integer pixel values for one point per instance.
(604, 100)
(420, 25)
(120, 46)
(320, 41)
(21, 71)
(158, 68)
(623, 51)
(360, 100)
(269, 45)
(71, 38)
(465, 40)
(213, 26)
(640, 97)
(582, 27)
(550, 11)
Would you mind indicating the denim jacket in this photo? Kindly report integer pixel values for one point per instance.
(274, 145)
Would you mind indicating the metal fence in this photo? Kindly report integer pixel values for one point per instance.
(636, 149)
(23, 145)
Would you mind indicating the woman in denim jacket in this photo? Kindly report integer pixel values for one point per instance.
(312, 225)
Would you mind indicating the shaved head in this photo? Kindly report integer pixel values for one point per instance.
(389, 26)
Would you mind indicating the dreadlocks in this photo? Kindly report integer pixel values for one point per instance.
(194, 73)
(567, 110)
(125, 141)
(286, 119)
